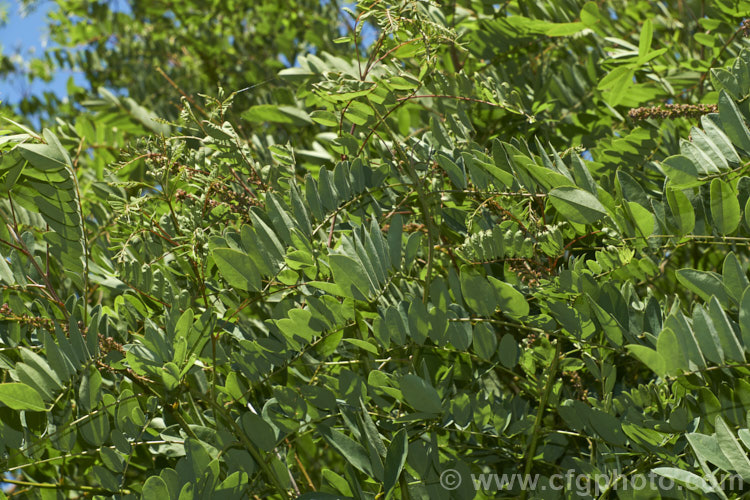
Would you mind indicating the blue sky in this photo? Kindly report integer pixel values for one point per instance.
(25, 33)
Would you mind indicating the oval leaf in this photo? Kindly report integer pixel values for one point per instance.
(395, 460)
(682, 210)
(21, 397)
(725, 208)
(681, 171)
(577, 205)
(237, 268)
(155, 489)
(511, 301)
(420, 395)
(477, 292)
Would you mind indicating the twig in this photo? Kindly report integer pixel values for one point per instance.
(551, 379)
(182, 93)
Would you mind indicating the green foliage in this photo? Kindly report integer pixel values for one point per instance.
(451, 248)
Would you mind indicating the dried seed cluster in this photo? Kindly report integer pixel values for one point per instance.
(6, 313)
(672, 111)
(238, 203)
(107, 344)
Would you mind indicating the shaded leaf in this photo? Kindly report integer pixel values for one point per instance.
(420, 395)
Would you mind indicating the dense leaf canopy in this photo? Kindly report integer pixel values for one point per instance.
(304, 249)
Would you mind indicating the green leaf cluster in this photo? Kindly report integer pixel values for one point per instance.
(408, 238)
